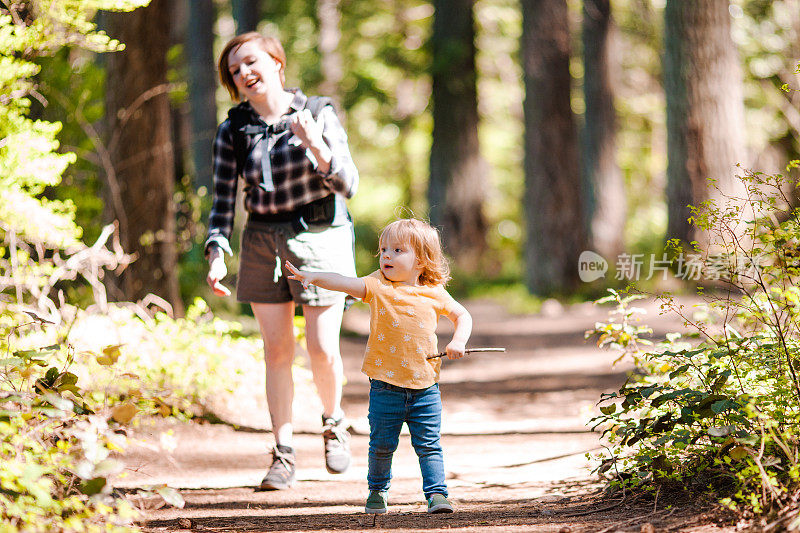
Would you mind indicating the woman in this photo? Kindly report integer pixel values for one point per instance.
(297, 171)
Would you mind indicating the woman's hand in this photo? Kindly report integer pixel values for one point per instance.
(216, 272)
(308, 130)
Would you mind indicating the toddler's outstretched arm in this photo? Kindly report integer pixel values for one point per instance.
(329, 280)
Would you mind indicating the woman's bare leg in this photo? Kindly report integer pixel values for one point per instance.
(275, 322)
(322, 340)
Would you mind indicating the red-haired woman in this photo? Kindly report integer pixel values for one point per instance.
(297, 171)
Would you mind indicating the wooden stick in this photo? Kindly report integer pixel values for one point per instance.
(469, 350)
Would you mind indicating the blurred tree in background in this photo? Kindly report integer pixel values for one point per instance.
(456, 187)
(606, 203)
(202, 83)
(554, 203)
(138, 124)
(705, 109)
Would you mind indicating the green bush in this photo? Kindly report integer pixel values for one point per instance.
(56, 450)
(719, 410)
(66, 408)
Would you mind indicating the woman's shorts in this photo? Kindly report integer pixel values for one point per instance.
(265, 247)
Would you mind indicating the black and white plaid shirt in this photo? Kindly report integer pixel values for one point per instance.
(294, 180)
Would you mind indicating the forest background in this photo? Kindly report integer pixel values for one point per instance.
(394, 72)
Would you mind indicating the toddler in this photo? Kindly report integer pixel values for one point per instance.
(405, 296)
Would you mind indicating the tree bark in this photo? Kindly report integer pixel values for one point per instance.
(458, 174)
(330, 59)
(138, 115)
(202, 85)
(553, 207)
(606, 202)
(246, 14)
(705, 109)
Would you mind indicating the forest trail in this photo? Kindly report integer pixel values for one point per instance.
(514, 434)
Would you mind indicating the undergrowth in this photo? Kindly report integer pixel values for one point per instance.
(718, 410)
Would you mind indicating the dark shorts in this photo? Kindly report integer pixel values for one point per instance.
(265, 247)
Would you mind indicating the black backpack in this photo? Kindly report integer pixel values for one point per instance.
(243, 128)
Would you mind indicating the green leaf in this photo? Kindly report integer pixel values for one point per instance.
(51, 375)
(93, 486)
(722, 405)
(721, 380)
(678, 371)
(608, 409)
(738, 453)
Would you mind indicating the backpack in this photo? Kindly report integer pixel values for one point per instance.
(243, 128)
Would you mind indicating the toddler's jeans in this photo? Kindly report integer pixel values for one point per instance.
(421, 409)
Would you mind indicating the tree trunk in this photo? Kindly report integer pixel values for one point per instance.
(330, 59)
(141, 152)
(606, 202)
(553, 200)
(456, 189)
(202, 84)
(246, 14)
(705, 110)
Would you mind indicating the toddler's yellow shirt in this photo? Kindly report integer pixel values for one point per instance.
(402, 331)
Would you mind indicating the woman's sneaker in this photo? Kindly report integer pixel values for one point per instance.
(281, 472)
(376, 502)
(337, 445)
(437, 503)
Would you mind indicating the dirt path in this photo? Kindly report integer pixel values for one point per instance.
(514, 434)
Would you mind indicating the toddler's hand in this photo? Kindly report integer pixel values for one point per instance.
(455, 350)
(297, 275)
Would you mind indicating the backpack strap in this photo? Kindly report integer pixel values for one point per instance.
(316, 104)
(240, 117)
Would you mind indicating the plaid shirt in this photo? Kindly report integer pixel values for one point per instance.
(295, 180)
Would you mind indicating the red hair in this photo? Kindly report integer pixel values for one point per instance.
(270, 45)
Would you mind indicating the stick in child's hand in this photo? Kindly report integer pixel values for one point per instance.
(469, 350)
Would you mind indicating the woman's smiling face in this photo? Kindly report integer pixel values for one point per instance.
(253, 70)
(398, 261)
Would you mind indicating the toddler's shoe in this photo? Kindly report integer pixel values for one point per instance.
(337, 445)
(376, 502)
(281, 472)
(437, 503)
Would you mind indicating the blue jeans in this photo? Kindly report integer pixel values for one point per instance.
(421, 409)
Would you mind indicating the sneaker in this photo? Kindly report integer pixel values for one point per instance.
(376, 502)
(337, 445)
(281, 472)
(437, 503)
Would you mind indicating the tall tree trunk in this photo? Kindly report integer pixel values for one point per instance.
(606, 203)
(330, 59)
(202, 84)
(246, 14)
(137, 109)
(180, 128)
(705, 110)
(553, 201)
(456, 190)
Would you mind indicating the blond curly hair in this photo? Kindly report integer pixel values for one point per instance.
(427, 245)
